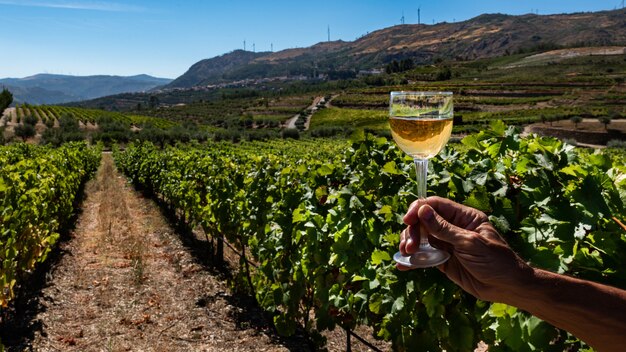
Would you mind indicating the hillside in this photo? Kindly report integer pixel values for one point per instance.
(213, 70)
(56, 89)
(489, 35)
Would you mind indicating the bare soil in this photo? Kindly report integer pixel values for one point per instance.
(127, 283)
(125, 280)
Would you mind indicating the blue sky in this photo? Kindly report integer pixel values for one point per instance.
(163, 38)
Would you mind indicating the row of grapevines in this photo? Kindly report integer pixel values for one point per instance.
(97, 116)
(323, 225)
(38, 186)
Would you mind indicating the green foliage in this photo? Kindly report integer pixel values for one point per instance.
(68, 123)
(38, 187)
(31, 120)
(6, 98)
(614, 143)
(68, 131)
(260, 135)
(25, 131)
(110, 131)
(94, 116)
(576, 120)
(331, 131)
(606, 120)
(444, 74)
(399, 66)
(161, 137)
(290, 133)
(324, 222)
(236, 110)
(352, 118)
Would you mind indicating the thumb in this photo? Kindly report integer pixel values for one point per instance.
(439, 227)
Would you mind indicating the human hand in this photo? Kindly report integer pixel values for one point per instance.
(481, 262)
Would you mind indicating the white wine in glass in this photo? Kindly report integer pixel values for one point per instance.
(421, 124)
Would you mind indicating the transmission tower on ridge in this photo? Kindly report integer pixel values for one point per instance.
(328, 30)
(253, 47)
(244, 45)
(402, 18)
(418, 14)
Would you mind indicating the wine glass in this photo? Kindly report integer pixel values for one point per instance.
(421, 123)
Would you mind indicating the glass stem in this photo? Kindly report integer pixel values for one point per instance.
(421, 172)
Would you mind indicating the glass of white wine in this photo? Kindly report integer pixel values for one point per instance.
(421, 123)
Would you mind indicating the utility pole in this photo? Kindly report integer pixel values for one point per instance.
(329, 33)
(272, 47)
(253, 47)
(418, 14)
(244, 45)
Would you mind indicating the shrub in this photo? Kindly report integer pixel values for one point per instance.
(290, 133)
(31, 120)
(330, 131)
(111, 131)
(616, 143)
(381, 133)
(570, 141)
(56, 136)
(260, 135)
(444, 74)
(25, 131)
(224, 135)
(68, 123)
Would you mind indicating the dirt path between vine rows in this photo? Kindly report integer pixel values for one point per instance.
(291, 123)
(126, 282)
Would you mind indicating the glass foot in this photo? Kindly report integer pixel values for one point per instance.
(426, 257)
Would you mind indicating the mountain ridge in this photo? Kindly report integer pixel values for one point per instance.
(486, 35)
(47, 88)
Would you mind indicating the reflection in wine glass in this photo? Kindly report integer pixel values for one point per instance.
(421, 124)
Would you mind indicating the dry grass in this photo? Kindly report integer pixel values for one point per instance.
(127, 283)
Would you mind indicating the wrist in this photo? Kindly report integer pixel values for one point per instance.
(524, 287)
(535, 287)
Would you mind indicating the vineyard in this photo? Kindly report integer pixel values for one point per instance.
(513, 88)
(316, 228)
(38, 189)
(229, 110)
(477, 105)
(314, 222)
(49, 115)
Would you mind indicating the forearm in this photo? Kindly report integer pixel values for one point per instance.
(592, 312)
